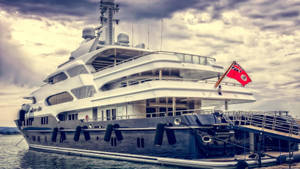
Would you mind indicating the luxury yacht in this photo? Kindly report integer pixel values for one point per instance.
(118, 101)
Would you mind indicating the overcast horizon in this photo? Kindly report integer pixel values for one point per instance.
(263, 36)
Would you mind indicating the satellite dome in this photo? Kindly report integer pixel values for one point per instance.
(123, 38)
(88, 33)
(108, 1)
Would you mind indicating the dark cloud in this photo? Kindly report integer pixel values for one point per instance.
(226, 40)
(297, 86)
(297, 70)
(268, 27)
(286, 14)
(138, 9)
(39, 44)
(291, 83)
(274, 63)
(178, 36)
(256, 69)
(62, 52)
(257, 16)
(14, 68)
(52, 7)
(8, 93)
(130, 9)
(273, 15)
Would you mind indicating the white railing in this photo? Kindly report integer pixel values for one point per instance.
(187, 58)
(138, 81)
(155, 115)
(273, 120)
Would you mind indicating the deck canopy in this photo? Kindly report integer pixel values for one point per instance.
(114, 56)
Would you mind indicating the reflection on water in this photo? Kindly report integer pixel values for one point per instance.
(12, 156)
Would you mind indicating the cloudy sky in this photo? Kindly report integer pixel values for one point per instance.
(262, 35)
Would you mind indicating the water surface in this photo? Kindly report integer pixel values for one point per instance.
(12, 156)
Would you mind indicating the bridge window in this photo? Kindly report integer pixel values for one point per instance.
(84, 92)
(76, 70)
(57, 78)
(59, 98)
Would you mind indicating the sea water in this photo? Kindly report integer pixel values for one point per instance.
(14, 155)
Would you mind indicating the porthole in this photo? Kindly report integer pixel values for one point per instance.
(140, 143)
(33, 138)
(113, 141)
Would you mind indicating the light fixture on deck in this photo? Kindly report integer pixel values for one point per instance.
(177, 121)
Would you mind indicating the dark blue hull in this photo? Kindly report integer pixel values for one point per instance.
(197, 136)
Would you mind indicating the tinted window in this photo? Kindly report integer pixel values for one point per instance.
(76, 70)
(84, 92)
(59, 98)
(57, 78)
(107, 114)
(114, 114)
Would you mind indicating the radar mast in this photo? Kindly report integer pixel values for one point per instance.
(107, 10)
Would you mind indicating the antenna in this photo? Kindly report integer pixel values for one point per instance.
(148, 36)
(132, 34)
(161, 33)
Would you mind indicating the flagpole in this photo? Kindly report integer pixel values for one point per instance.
(219, 81)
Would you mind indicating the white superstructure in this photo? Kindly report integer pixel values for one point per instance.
(107, 80)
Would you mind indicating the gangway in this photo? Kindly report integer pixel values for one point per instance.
(275, 124)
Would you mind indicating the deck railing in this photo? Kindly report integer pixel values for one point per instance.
(274, 120)
(165, 114)
(186, 58)
(138, 81)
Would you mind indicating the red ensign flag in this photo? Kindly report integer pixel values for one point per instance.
(236, 72)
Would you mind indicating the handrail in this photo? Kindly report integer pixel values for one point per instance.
(273, 120)
(161, 114)
(134, 82)
(167, 113)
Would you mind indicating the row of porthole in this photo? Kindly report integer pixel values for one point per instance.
(140, 142)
